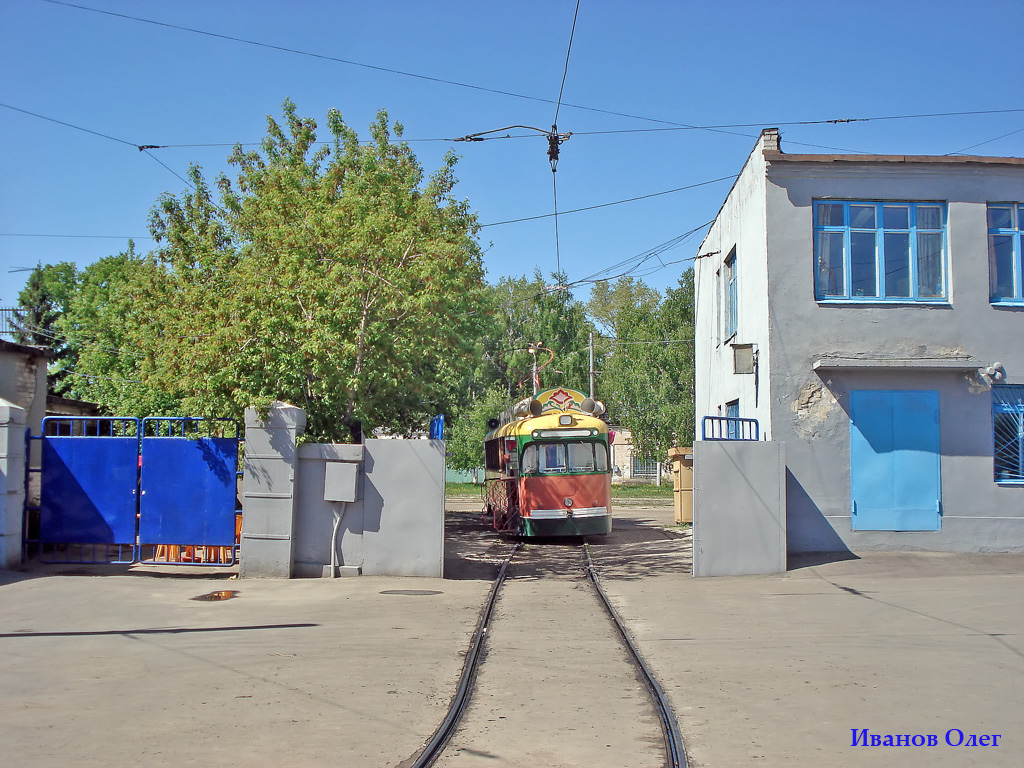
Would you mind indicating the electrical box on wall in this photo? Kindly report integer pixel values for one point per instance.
(341, 481)
(743, 358)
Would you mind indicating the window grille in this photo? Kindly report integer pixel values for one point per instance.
(646, 468)
(1008, 432)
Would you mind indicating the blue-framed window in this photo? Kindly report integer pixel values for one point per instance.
(1005, 222)
(879, 251)
(730, 298)
(732, 412)
(1008, 432)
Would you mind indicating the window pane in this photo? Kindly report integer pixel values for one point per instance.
(929, 217)
(1000, 217)
(601, 452)
(1001, 262)
(830, 214)
(581, 457)
(862, 216)
(552, 458)
(830, 264)
(897, 264)
(896, 217)
(862, 264)
(530, 459)
(929, 265)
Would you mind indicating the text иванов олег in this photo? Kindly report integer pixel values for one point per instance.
(954, 738)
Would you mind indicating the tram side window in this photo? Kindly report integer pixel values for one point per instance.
(492, 457)
(531, 458)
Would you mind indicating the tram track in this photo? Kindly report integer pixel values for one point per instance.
(542, 561)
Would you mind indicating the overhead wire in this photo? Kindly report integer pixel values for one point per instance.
(350, 62)
(614, 202)
(565, 72)
(554, 140)
(988, 141)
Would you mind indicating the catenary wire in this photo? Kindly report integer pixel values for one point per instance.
(987, 141)
(616, 202)
(674, 125)
(565, 72)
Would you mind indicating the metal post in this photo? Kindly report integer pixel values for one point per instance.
(591, 365)
(536, 384)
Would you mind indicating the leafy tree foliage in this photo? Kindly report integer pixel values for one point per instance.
(465, 446)
(649, 375)
(609, 300)
(533, 314)
(106, 324)
(41, 304)
(523, 314)
(338, 278)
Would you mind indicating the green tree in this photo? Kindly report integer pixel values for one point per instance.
(41, 304)
(538, 315)
(465, 446)
(338, 278)
(650, 372)
(106, 325)
(608, 301)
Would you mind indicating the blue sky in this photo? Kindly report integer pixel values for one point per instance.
(700, 64)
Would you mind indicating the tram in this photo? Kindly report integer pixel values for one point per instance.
(547, 468)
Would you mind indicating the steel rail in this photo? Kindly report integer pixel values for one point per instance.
(673, 738)
(433, 748)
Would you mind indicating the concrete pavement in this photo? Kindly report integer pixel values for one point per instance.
(118, 669)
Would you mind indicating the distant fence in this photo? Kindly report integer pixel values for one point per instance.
(7, 327)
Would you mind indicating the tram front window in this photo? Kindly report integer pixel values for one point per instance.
(557, 458)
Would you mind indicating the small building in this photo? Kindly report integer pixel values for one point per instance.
(23, 379)
(868, 312)
(629, 467)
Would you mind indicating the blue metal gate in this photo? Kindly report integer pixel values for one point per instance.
(88, 490)
(123, 490)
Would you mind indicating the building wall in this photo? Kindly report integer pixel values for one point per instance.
(621, 464)
(740, 225)
(811, 408)
(23, 380)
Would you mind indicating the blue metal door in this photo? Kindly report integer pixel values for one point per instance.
(894, 460)
(188, 481)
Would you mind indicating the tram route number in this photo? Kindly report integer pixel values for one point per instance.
(954, 737)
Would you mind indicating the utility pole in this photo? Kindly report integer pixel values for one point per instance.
(591, 365)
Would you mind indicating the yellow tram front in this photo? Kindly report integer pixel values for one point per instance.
(547, 467)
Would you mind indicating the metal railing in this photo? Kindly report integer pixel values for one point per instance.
(729, 428)
(8, 330)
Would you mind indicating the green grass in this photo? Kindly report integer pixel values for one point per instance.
(463, 491)
(664, 491)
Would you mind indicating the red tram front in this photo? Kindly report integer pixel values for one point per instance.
(547, 467)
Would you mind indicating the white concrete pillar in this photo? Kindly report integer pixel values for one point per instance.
(269, 490)
(12, 483)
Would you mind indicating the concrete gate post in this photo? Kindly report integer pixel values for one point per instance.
(269, 490)
(12, 483)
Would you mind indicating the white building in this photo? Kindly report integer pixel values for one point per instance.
(868, 311)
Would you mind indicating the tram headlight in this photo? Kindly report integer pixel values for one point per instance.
(567, 501)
